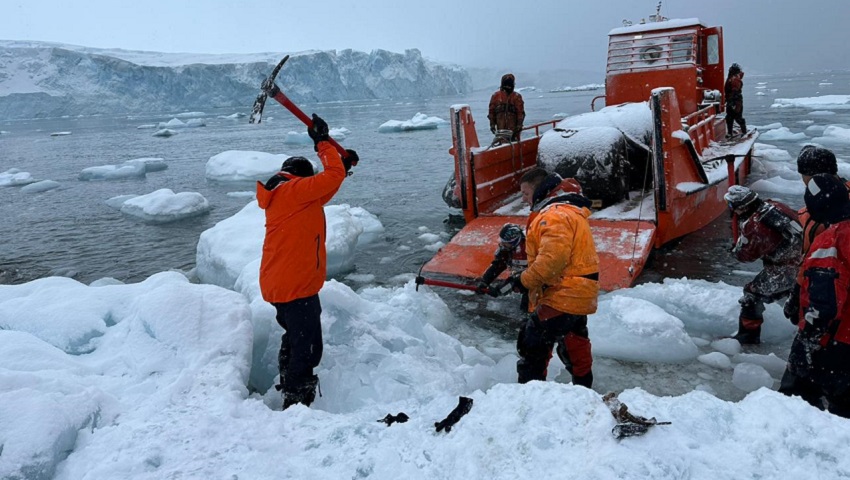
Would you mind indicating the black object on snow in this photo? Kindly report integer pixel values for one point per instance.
(628, 425)
(463, 407)
(401, 417)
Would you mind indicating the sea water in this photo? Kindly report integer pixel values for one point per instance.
(70, 231)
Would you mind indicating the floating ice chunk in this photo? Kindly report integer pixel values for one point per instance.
(716, 360)
(559, 116)
(39, 187)
(14, 177)
(822, 113)
(4, 132)
(150, 164)
(146, 126)
(360, 277)
(729, 346)
(429, 237)
(165, 133)
(59, 134)
(773, 364)
(177, 123)
(245, 194)
(163, 206)
(190, 114)
(834, 135)
(244, 165)
(420, 121)
(234, 116)
(749, 377)
(637, 330)
(118, 202)
(113, 172)
(783, 133)
(434, 246)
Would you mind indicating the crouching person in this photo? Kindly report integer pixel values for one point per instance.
(767, 231)
(293, 266)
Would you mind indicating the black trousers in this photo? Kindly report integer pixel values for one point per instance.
(538, 338)
(301, 343)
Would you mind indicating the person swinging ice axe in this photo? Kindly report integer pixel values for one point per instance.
(294, 262)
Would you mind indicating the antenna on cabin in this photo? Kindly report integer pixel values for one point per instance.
(657, 17)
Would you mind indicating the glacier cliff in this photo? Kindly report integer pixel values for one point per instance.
(39, 79)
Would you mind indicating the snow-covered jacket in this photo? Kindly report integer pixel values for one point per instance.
(563, 268)
(507, 111)
(771, 234)
(825, 287)
(294, 263)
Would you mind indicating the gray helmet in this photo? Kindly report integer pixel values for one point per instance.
(510, 235)
(740, 197)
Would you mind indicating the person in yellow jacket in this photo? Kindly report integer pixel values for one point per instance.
(562, 280)
(294, 262)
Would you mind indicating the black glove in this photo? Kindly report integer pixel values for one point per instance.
(482, 287)
(274, 181)
(791, 310)
(351, 160)
(390, 419)
(463, 407)
(318, 132)
(508, 285)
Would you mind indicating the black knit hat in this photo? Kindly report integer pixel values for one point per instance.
(508, 80)
(827, 199)
(814, 160)
(298, 166)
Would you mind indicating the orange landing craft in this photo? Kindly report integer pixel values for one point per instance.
(655, 160)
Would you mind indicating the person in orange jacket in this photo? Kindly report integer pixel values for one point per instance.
(293, 266)
(507, 110)
(562, 280)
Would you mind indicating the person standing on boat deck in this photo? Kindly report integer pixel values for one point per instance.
(507, 110)
(735, 100)
(293, 265)
(819, 362)
(562, 280)
(811, 161)
(767, 231)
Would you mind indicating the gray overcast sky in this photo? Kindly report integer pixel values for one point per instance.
(764, 36)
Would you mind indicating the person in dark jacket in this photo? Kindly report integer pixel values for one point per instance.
(811, 161)
(294, 261)
(507, 110)
(767, 231)
(818, 366)
(733, 92)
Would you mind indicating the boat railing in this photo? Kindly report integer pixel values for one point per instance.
(700, 126)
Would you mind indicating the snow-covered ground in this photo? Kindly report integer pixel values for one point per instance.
(167, 378)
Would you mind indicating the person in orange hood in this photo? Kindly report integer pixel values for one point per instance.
(293, 267)
(562, 279)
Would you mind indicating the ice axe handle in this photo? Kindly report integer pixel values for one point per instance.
(420, 280)
(287, 104)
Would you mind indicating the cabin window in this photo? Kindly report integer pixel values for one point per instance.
(712, 44)
(651, 50)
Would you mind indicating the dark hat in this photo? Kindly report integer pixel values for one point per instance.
(814, 160)
(298, 166)
(827, 199)
(740, 197)
(508, 80)
(734, 69)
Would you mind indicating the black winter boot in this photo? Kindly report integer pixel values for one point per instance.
(748, 336)
(304, 394)
(585, 381)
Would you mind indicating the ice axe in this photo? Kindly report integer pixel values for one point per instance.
(270, 89)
